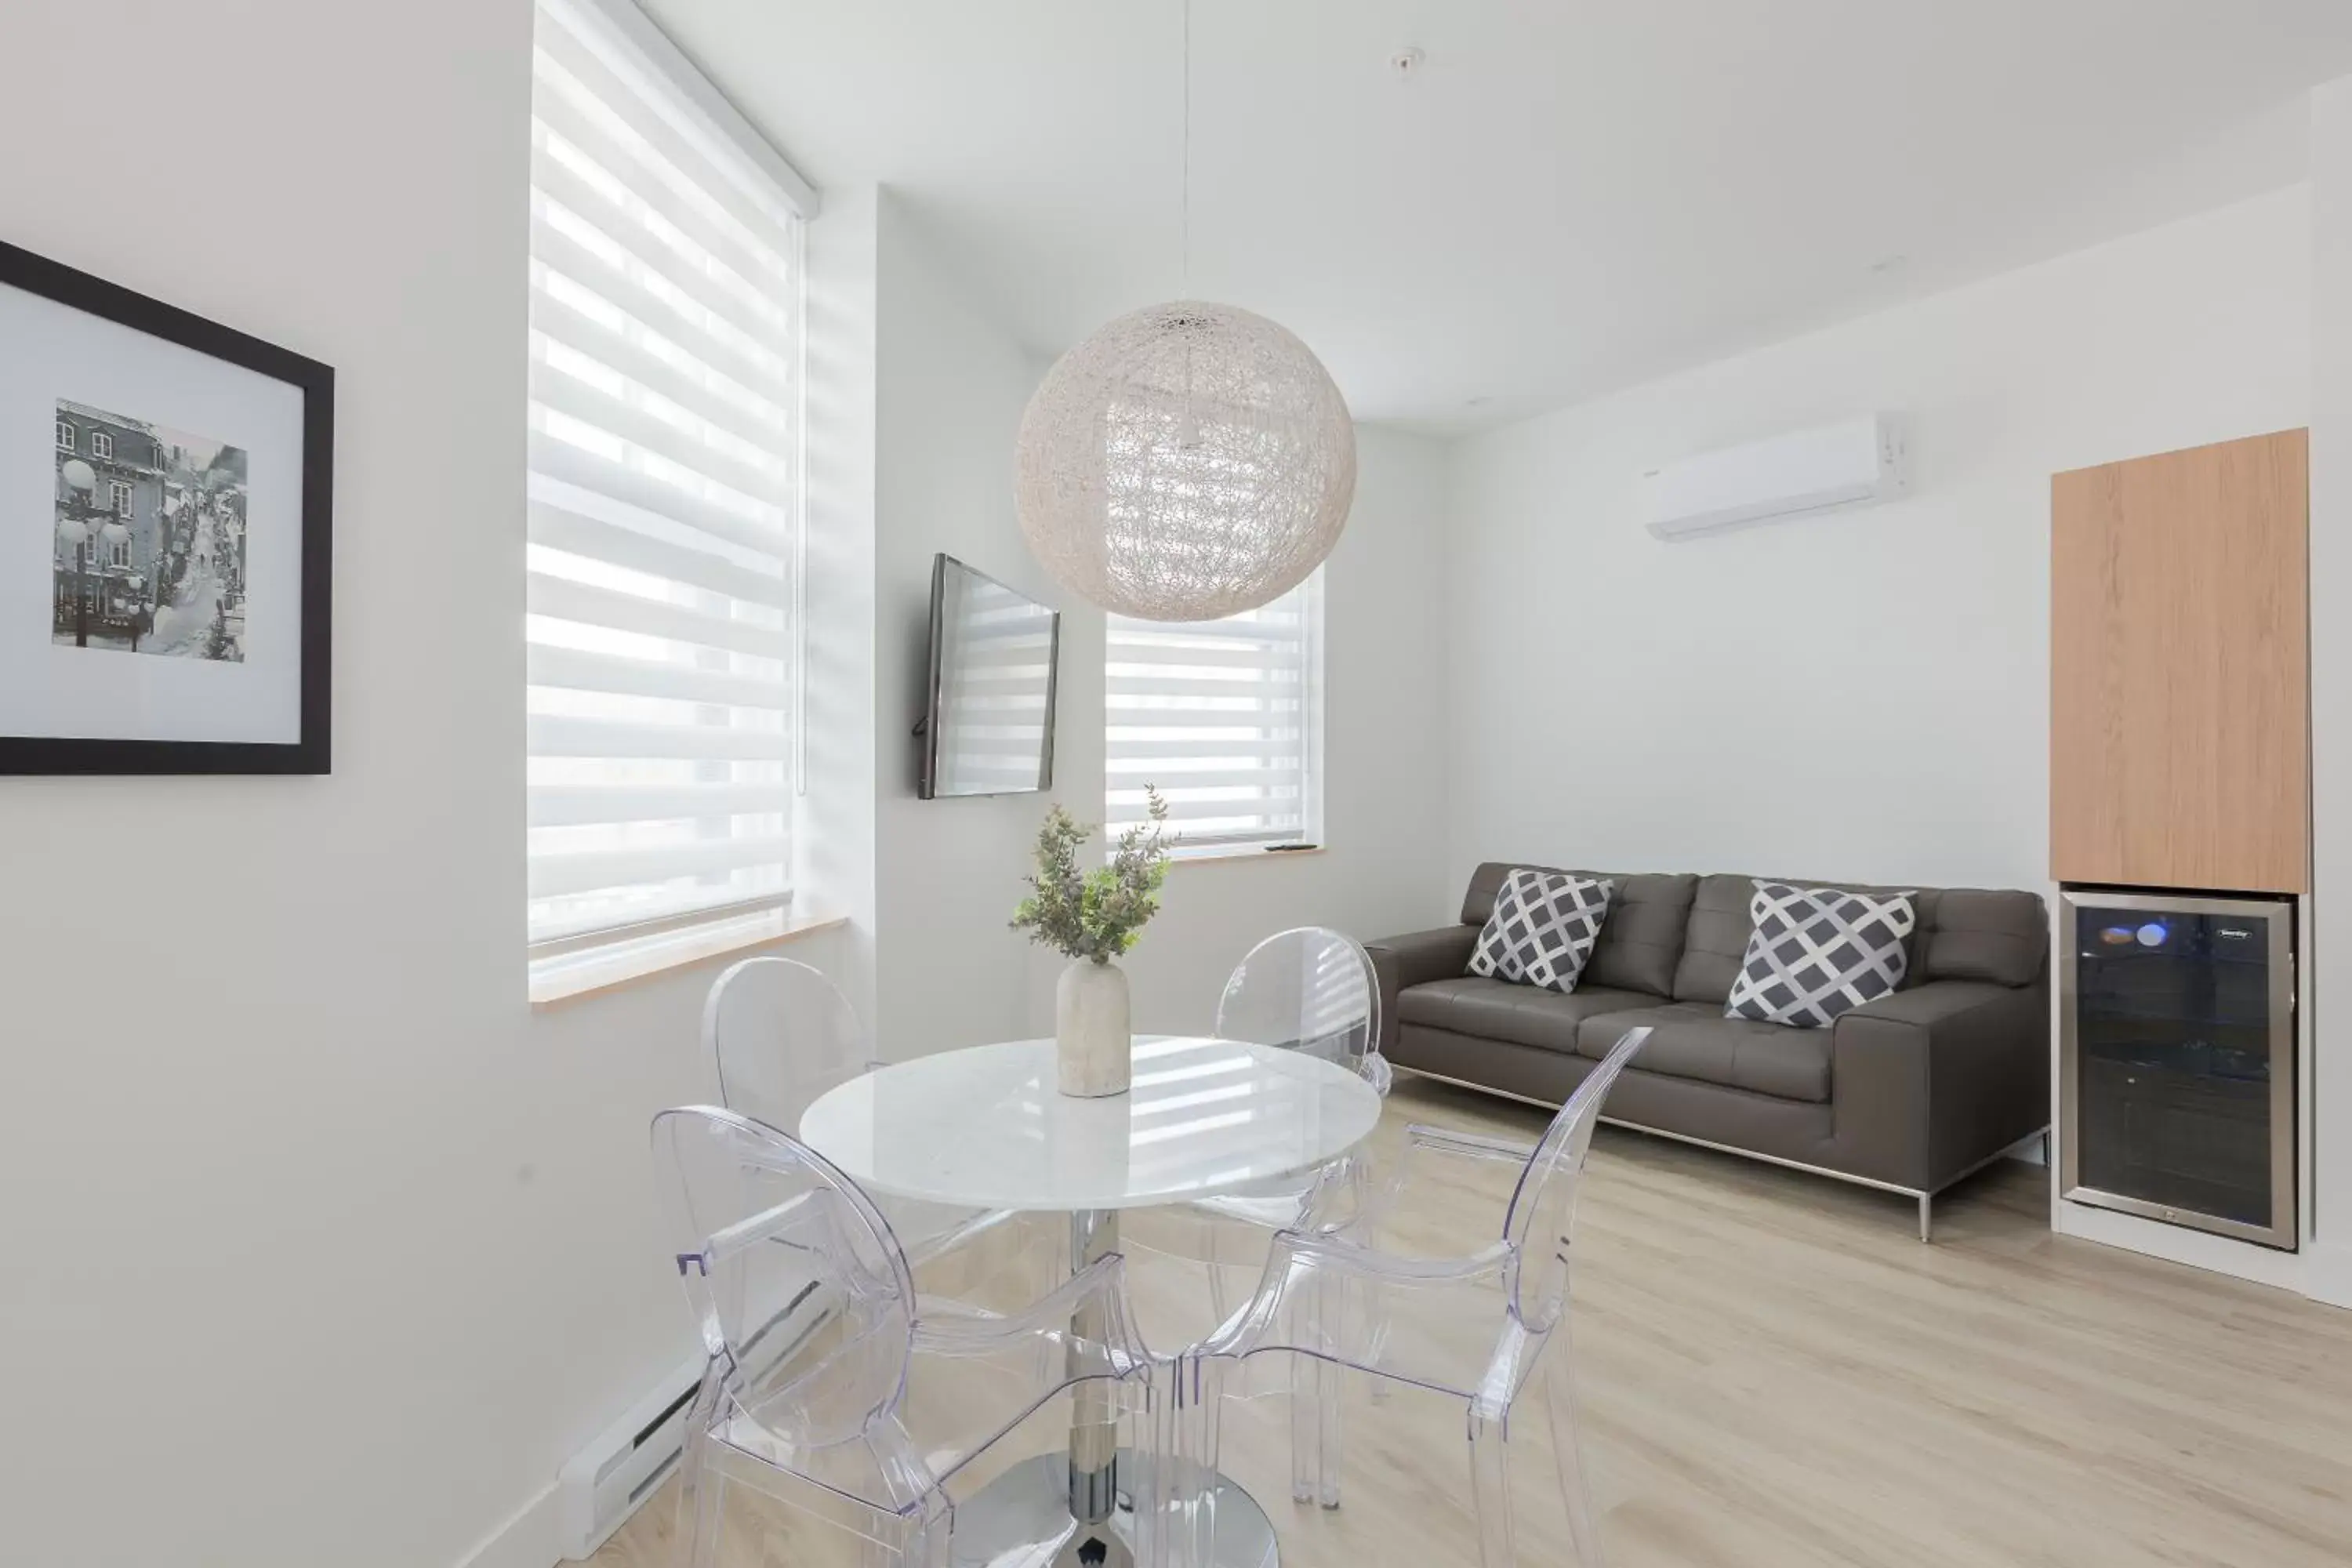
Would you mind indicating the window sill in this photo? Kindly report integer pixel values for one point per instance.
(1244, 852)
(594, 976)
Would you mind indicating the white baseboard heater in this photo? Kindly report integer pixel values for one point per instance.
(603, 1483)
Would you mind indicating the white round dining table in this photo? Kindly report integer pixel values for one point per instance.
(984, 1127)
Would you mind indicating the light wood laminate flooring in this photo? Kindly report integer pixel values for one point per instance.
(1775, 1372)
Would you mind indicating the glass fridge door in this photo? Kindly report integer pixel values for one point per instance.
(2180, 1061)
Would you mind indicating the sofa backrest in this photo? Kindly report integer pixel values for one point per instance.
(1639, 944)
(1964, 933)
(1673, 935)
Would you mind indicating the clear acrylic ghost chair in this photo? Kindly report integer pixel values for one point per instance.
(780, 1035)
(1313, 990)
(833, 1393)
(1472, 1327)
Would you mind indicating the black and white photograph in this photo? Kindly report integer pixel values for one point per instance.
(149, 539)
(166, 536)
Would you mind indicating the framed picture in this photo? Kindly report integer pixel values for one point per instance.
(166, 532)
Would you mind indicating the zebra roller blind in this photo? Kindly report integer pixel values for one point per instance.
(1225, 718)
(664, 477)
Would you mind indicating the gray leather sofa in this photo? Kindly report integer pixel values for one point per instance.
(1908, 1093)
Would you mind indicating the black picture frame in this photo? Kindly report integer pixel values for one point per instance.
(311, 753)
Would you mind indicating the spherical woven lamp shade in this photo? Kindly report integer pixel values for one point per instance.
(1187, 462)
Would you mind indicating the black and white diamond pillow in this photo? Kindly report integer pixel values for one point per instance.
(1817, 952)
(1543, 929)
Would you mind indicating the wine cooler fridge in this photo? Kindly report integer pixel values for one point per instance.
(2177, 1059)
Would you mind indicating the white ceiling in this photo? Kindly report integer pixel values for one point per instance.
(1569, 196)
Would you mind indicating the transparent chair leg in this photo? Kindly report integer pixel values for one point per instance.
(1368, 1202)
(927, 1544)
(1193, 1538)
(701, 1519)
(1307, 1376)
(1220, 1298)
(699, 1488)
(1490, 1488)
(1330, 1379)
(1314, 1387)
(1567, 1452)
(1329, 1456)
(1157, 1490)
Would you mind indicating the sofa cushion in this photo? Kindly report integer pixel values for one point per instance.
(1499, 1010)
(1694, 1040)
(2001, 937)
(1542, 929)
(1716, 941)
(1639, 942)
(1817, 952)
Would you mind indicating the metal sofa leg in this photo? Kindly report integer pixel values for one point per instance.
(1926, 1215)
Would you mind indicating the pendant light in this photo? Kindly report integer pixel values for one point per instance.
(1188, 461)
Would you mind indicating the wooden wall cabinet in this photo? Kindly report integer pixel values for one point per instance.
(2179, 688)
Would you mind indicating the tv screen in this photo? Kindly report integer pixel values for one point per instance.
(988, 728)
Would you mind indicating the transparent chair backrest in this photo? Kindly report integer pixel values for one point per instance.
(1311, 989)
(1542, 1214)
(800, 1286)
(780, 1035)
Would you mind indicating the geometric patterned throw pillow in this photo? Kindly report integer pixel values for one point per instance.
(1543, 929)
(1817, 952)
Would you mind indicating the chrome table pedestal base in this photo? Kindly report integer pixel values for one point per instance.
(1077, 1510)
(1022, 1520)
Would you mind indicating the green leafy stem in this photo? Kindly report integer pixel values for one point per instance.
(1098, 914)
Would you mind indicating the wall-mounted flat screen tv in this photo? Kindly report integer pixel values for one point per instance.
(988, 727)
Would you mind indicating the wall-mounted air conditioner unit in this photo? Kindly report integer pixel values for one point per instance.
(606, 1481)
(1852, 463)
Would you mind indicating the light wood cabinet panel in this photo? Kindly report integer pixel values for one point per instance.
(2180, 706)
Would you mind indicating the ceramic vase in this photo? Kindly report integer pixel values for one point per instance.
(1094, 1052)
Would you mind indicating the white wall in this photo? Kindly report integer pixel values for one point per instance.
(1862, 696)
(833, 829)
(2328, 945)
(952, 384)
(321, 1248)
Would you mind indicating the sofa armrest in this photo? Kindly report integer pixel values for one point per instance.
(1930, 1082)
(1416, 959)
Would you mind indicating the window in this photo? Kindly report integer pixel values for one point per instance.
(101, 445)
(65, 436)
(1225, 717)
(662, 517)
(122, 493)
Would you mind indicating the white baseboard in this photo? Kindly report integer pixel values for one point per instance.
(2179, 1244)
(2327, 1274)
(526, 1541)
